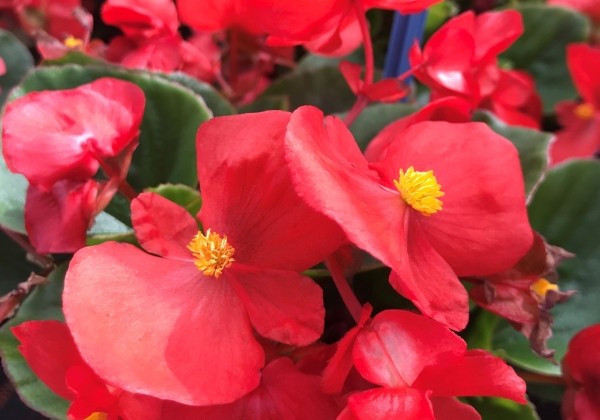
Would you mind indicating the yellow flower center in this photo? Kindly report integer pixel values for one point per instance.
(72, 42)
(212, 254)
(585, 111)
(420, 190)
(541, 287)
(97, 416)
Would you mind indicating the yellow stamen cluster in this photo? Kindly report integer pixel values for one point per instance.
(72, 42)
(541, 287)
(97, 416)
(212, 254)
(585, 111)
(420, 190)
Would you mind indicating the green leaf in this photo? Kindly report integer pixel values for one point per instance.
(108, 228)
(15, 267)
(186, 197)
(323, 87)
(168, 133)
(18, 62)
(374, 118)
(502, 409)
(214, 100)
(532, 146)
(566, 211)
(13, 188)
(541, 50)
(43, 303)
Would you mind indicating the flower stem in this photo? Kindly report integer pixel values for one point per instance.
(359, 105)
(368, 44)
(43, 261)
(341, 283)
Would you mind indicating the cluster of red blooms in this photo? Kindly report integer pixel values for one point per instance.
(211, 316)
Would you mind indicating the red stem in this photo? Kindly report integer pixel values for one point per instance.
(368, 44)
(127, 190)
(44, 261)
(359, 105)
(341, 283)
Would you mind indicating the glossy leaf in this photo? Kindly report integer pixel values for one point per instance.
(13, 188)
(15, 267)
(18, 62)
(374, 118)
(501, 409)
(541, 49)
(213, 99)
(43, 303)
(566, 211)
(532, 146)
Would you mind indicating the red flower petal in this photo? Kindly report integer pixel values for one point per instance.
(248, 197)
(582, 59)
(580, 137)
(448, 408)
(48, 348)
(57, 220)
(181, 336)
(282, 305)
(141, 18)
(399, 344)
(385, 404)
(483, 227)
(284, 393)
(495, 32)
(477, 373)
(52, 135)
(162, 227)
(402, 6)
(581, 363)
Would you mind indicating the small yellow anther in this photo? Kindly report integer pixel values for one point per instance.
(420, 190)
(212, 254)
(72, 42)
(585, 111)
(541, 287)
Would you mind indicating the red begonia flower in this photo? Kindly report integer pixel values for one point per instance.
(284, 393)
(142, 18)
(581, 369)
(48, 348)
(460, 59)
(580, 135)
(392, 209)
(386, 90)
(421, 366)
(328, 24)
(53, 135)
(449, 109)
(196, 346)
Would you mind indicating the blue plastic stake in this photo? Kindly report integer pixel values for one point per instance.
(406, 29)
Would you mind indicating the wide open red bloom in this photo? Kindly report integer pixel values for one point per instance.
(479, 225)
(51, 353)
(421, 367)
(196, 345)
(581, 368)
(580, 136)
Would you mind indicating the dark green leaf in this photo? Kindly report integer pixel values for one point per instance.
(501, 409)
(566, 211)
(18, 62)
(13, 188)
(532, 146)
(14, 267)
(173, 113)
(541, 49)
(214, 100)
(43, 303)
(323, 87)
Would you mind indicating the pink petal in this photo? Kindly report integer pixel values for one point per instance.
(159, 327)
(448, 408)
(248, 196)
(477, 373)
(483, 227)
(579, 138)
(57, 220)
(582, 59)
(282, 305)
(385, 404)
(397, 346)
(162, 227)
(48, 348)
